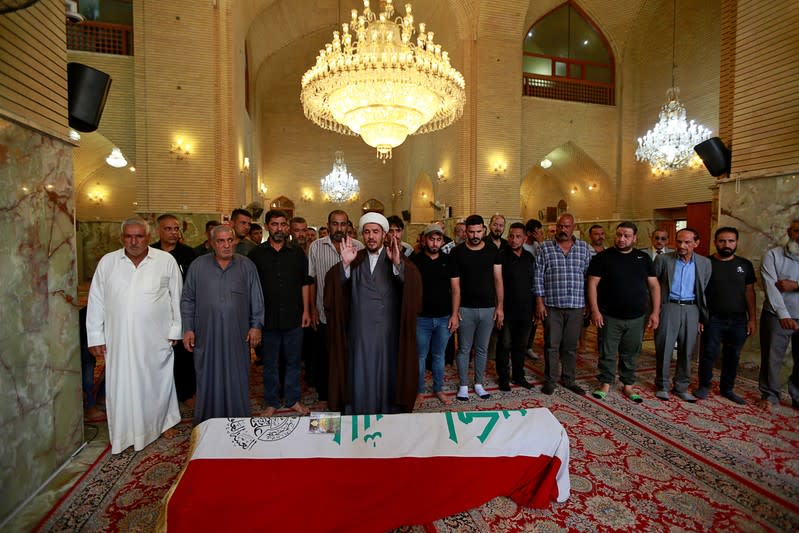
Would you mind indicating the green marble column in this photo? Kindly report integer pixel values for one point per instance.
(41, 407)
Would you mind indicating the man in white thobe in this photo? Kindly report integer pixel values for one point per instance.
(133, 320)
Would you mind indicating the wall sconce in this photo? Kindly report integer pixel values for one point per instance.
(180, 149)
(593, 187)
(500, 167)
(263, 189)
(574, 190)
(396, 195)
(545, 163)
(423, 194)
(306, 197)
(441, 176)
(96, 197)
(246, 164)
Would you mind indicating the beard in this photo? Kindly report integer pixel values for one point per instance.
(793, 247)
(726, 252)
(475, 241)
(432, 249)
(497, 235)
(337, 236)
(278, 236)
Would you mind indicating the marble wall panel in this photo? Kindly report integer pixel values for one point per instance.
(41, 408)
(97, 238)
(762, 210)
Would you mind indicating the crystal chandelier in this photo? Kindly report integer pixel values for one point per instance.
(373, 81)
(116, 159)
(339, 186)
(670, 144)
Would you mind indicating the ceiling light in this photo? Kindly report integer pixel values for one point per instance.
(339, 186)
(545, 163)
(373, 81)
(116, 159)
(669, 145)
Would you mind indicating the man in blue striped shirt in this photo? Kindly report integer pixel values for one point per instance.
(559, 288)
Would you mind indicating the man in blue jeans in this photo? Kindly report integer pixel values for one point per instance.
(731, 302)
(440, 295)
(482, 303)
(283, 272)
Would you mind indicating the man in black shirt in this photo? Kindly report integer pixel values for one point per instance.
(480, 278)
(518, 271)
(169, 241)
(496, 227)
(440, 295)
(205, 247)
(731, 302)
(283, 271)
(620, 282)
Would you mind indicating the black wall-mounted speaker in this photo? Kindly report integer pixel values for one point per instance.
(406, 215)
(716, 157)
(88, 90)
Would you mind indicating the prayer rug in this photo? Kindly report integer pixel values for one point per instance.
(654, 466)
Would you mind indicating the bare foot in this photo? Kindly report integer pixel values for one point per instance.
(170, 433)
(764, 405)
(269, 411)
(93, 414)
(190, 402)
(299, 408)
(443, 398)
(418, 403)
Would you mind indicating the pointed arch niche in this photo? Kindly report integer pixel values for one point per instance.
(574, 178)
(284, 204)
(422, 198)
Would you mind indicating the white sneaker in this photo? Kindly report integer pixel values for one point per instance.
(463, 394)
(481, 392)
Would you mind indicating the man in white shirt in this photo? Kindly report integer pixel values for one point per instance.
(779, 321)
(133, 320)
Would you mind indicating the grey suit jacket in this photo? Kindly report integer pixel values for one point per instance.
(664, 271)
(652, 255)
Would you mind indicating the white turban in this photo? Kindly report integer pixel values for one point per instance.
(373, 218)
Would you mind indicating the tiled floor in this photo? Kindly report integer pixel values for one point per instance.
(96, 436)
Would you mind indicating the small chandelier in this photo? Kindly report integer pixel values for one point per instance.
(116, 159)
(376, 83)
(339, 186)
(670, 144)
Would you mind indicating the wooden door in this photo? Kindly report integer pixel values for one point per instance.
(699, 219)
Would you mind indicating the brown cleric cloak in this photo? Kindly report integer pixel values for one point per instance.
(337, 309)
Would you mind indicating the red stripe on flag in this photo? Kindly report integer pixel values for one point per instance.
(352, 495)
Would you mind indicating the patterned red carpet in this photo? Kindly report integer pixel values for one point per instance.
(656, 466)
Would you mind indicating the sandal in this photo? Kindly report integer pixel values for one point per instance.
(599, 394)
(635, 397)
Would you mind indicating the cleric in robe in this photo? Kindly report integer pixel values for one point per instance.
(223, 313)
(372, 299)
(132, 320)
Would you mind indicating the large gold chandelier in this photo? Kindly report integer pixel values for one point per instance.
(373, 81)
